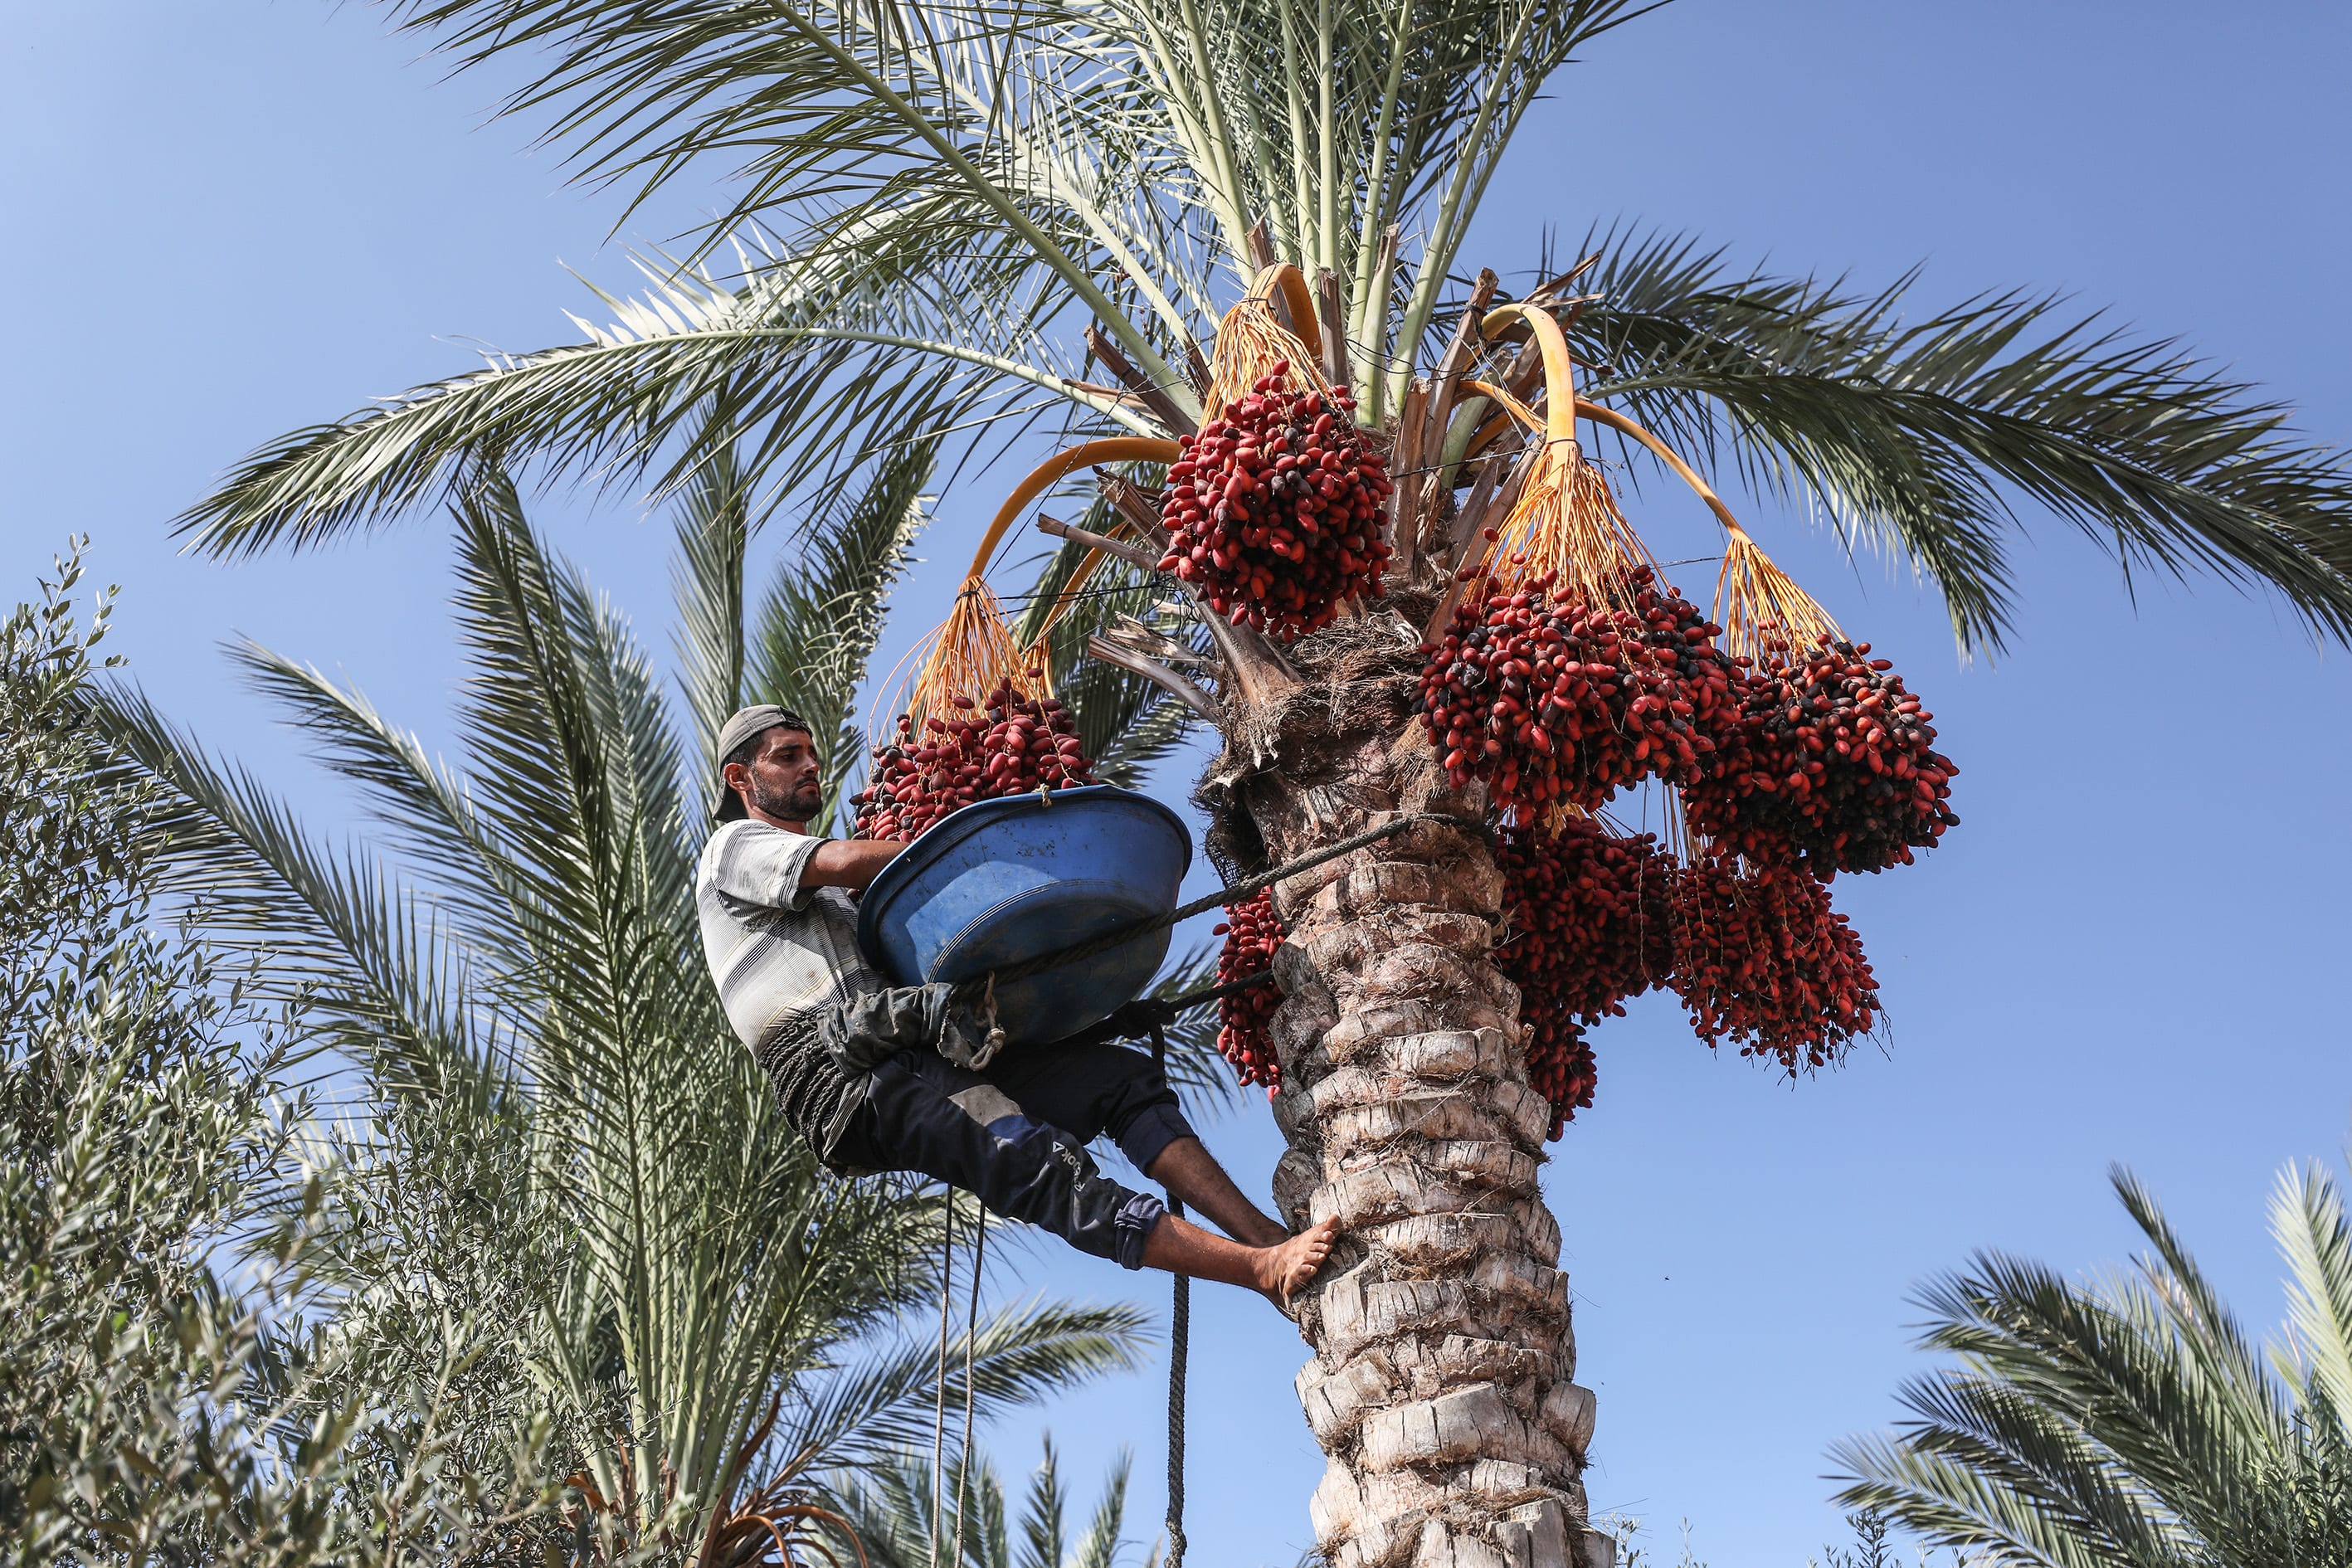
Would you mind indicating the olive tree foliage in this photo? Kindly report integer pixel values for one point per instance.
(156, 1219)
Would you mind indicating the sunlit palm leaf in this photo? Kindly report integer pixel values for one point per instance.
(2314, 1235)
(818, 626)
(793, 372)
(2122, 1425)
(1915, 434)
(890, 1507)
(933, 187)
(705, 1265)
(338, 932)
(716, 523)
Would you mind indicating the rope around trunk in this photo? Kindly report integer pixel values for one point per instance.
(1247, 887)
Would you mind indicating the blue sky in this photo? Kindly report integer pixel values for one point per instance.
(230, 220)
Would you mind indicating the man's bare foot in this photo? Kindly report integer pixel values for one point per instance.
(1274, 1271)
(1283, 1267)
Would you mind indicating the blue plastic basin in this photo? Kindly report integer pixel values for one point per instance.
(1003, 881)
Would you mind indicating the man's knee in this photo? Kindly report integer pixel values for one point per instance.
(931, 1116)
(1096, 1090)
(1141, 1113)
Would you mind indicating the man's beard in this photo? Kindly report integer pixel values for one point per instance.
(795, 804)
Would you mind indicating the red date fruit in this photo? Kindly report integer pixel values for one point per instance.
(1252, 930)
(1272, 510)
(1013, 746)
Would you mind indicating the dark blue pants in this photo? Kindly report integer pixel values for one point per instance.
(1014, 1134)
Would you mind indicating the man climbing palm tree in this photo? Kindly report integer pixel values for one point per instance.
(879, 1079)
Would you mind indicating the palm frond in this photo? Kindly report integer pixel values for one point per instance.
(792, 365)
(823, 616)
(930, 190)
(836, 112)
(1911, 435)
(1023, 1352)
(1952, 1497)
(339, 933)
(2314, 1235)
(420, 804)
(1098, 1547)
(888, 1505)
(1045, 1532)
(1135, 140)
(2228, 1365)
(1202, 1077)
(715, 526)
(2128, 1422)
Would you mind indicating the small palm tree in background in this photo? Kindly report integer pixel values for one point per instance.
(550, 1129)
(946, 216)
(2130, 1422)
(901, 1510)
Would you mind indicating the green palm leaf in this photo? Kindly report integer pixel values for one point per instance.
(340, 934)
(816, 629)
(538, 1032)
(2314, 1234)
(2128, 1423)
(1914, 435)
(795, 366)
(888, 1506)
(935, 199)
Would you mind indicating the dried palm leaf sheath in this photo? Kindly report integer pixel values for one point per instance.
(1250, 340)
(1074, 590)
(1565, 522)
(1765, 617)
(974, 650)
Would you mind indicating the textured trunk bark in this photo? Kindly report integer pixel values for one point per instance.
(1442, 1384)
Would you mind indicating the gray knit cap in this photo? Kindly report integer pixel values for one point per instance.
(746, 724)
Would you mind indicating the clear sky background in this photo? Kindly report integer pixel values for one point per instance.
(224, 221)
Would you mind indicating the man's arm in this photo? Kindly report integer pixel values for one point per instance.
(775, 867)
(849, 863)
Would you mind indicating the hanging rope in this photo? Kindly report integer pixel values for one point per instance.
(1180, 1335)
(940, 1407)
(971, 1339)
(1144, 1014)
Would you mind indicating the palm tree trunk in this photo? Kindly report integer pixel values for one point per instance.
(1441, 1386)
